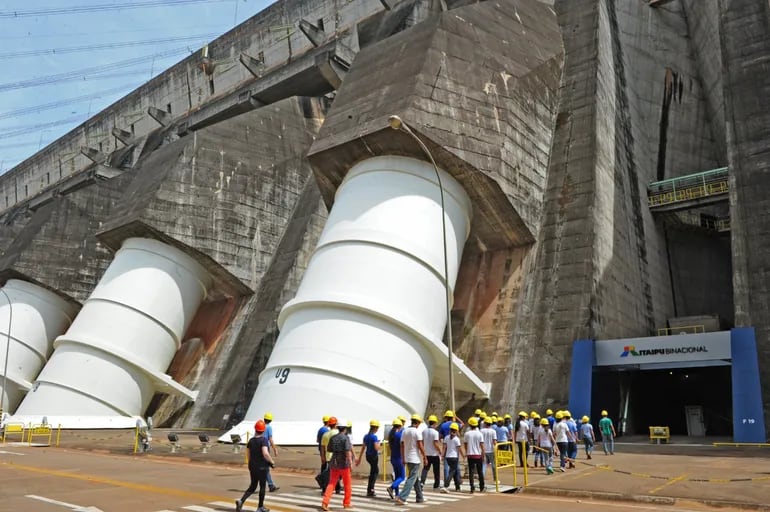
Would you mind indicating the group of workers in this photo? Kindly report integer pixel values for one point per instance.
(418, 448)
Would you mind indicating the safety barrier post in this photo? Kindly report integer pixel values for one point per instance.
(504, 459)
(246, 451)
(14, 428)
(385, 456)
(58, 435)
(39, 430)
(136, 439)
(526, 462)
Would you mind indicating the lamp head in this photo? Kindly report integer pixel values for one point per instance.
(395, 122)
(172, 437)
(203, 438)
(235, 438)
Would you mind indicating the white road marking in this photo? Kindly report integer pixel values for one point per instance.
(12, 453)
(71, 506)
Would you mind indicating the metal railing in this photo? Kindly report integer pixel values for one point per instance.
(687, 188)
(690, 329)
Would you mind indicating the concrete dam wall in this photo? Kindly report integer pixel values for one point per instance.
(194, 225)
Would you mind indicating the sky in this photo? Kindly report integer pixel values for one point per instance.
(64, 60)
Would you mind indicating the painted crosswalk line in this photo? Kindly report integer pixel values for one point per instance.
(306, 501)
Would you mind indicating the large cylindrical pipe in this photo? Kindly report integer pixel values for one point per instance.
(35, 316)
(360, 337)
(107, 366)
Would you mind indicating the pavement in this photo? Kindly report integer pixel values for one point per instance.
(685, 472)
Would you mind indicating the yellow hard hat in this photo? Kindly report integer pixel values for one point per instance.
(507, 417)
(397, 423)
(449, 414)
(493, 418)
(477, 412)
(403, 420)
(268, 416)
(494, 414)
(416, 417)
(535, 416)
(489, 420)
(523, 414)
(350, 424)
(548, 412)
(604, 413)
(374, 423)
(454, 426)
(559, 415)
(585, 419)
(432, 419)
(325, 419)
(473, 422)
(567, 414)
(544, 421)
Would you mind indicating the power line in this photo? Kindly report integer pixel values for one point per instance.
(34, 109)
(77, 9)
(103, 46)
(82, 73)
(24, 130)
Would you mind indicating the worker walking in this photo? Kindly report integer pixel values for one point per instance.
(490, 442)
(452, 450)
(271, 443)
(587, 435)
(260, 463)
(320, 434)
(413, 454)
(372, 448)
(545, 442)
(561, 435)
(608, 433)
(339, 466)
(394, 441)
(521, 437)
(474, 451)
(432, 446)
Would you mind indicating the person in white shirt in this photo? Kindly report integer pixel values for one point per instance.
(490, 441)
(545, 441)
(474, 452)
(432, 452)
(453, 449)
(521, 437)
(561, 435)
(413, 454)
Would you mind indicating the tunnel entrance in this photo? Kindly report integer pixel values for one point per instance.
(698, 384)
(638, 399)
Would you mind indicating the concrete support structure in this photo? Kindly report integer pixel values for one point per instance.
(108, 365)
(29, 322)
(363, 336)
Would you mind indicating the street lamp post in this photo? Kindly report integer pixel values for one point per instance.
(398, 124)
(7, 350)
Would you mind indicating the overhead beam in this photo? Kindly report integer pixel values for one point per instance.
(313, 33)
(161, 116)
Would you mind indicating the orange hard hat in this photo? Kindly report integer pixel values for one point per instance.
(332, 421)
(259, 426)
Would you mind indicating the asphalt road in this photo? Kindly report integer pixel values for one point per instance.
(51, 480)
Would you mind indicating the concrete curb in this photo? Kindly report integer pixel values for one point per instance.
(641, 498)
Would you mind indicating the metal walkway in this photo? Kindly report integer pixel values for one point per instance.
(691, 191)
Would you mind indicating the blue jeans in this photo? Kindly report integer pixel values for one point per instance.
(489, 460)
(270, 483)
(398, 473)
(562, 454)
(589, 445)
(608, 441)
(413, 470)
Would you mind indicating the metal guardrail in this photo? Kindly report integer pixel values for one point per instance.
(687, 188)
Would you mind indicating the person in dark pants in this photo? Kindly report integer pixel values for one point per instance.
(474, 452)
(372, 448)
(430, 440)
(259, 464)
